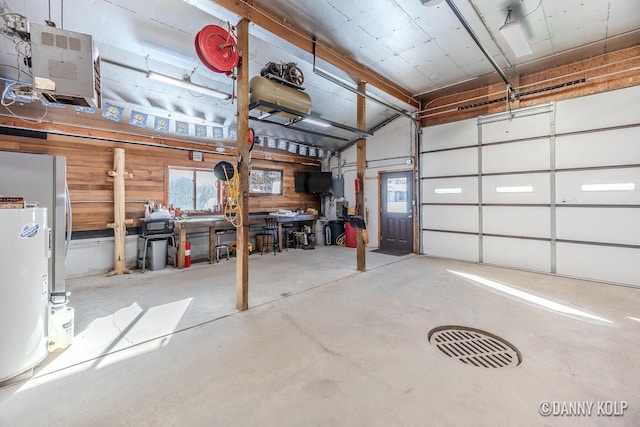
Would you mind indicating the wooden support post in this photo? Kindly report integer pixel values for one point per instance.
(242, 233)
(119, 223)
(361, 172)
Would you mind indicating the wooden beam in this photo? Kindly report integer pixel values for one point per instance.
(361, 166)
(242, 232)
(282, 28)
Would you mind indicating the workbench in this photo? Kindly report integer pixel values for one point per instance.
(218, 221)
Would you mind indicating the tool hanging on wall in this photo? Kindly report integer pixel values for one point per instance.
(228, 173)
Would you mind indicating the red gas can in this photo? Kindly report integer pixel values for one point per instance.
(187, 254)
(350, 236)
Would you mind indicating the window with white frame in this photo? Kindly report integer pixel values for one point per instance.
(193, 189)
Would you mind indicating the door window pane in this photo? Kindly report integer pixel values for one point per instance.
(397, 195)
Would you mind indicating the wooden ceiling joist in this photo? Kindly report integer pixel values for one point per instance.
(304, 40)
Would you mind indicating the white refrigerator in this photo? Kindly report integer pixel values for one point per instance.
(25, 249)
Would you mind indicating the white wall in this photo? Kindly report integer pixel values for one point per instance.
(95, 256)
(390, 149)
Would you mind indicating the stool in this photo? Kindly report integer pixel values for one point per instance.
(147, 238)
(221, 247)
(269, 237)
(288, 237)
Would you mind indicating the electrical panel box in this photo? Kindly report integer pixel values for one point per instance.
(338, 187)
(65, 66)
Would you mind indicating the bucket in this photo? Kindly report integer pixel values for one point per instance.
(60, 327)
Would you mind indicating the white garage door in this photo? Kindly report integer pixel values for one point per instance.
(554, 188)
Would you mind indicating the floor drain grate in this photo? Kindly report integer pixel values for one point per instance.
(474, 347)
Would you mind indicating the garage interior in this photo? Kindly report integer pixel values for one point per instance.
(472, 258)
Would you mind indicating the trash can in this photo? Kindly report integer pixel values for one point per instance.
(334, 231)
(157, 254)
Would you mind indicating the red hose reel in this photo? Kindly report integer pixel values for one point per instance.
(217, 49)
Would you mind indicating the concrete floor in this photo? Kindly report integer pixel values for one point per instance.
(323, 345)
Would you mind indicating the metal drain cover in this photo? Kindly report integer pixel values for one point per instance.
(474, 347)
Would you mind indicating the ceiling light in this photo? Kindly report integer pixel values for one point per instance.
(513, 33)
(316, 122)
(186, 84)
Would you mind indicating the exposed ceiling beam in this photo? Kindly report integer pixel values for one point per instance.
(305, 40)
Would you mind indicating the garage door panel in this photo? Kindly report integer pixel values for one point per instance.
(517, 221)
(506, 189)
(606, 225)
(450, 135)
(520, 128)
(450, 190)
(574, 211)
(595, 111)
(569, 187)
(606, 263)
(447, 163)
(515, 157)
(517, 253)
(450, 245)
(610, 148)
(453, 218)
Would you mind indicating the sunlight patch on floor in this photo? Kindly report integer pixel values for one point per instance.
(131, 328)
(543, 302)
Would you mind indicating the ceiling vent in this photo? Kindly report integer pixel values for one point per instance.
(65, 66)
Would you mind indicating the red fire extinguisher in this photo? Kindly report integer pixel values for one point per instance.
(187, 254)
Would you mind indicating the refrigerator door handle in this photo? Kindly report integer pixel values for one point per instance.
(48, 242)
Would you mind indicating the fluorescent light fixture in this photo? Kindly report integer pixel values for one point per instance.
(513, 33)
(516, 189)
(264, 115)
(622, 186)
(186, 84)
(457, 190)
(315, 122)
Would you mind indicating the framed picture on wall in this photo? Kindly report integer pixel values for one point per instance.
(265, 181)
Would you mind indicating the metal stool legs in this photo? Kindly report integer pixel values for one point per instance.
(220, 249)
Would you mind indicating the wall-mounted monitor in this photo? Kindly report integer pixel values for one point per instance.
(314, 182)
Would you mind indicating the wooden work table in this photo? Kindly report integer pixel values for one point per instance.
(218, 221)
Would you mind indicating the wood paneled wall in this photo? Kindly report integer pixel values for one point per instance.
(601, 73)
(91, 189)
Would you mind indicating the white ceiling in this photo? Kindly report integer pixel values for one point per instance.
(423, 49)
